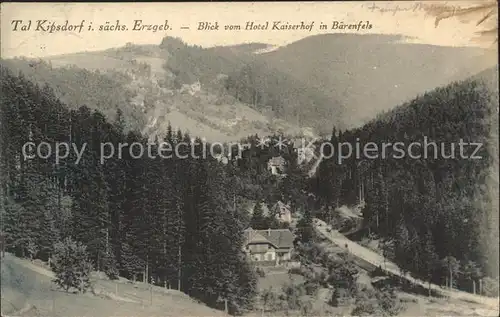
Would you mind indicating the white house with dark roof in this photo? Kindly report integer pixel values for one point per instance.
(282, 212)
(269, 247)
(276, 165)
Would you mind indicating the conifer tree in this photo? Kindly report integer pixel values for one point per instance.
(258, 220)
(305, 228)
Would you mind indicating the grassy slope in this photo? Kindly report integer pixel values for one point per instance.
(27, 287)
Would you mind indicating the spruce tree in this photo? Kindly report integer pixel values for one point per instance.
(305, 229)
(71, 265)
(258, 221)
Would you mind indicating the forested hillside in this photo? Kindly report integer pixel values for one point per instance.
(153, 85)
(170, 219)
(315, 82)
(104, 91)
(248, 78)
(436, 215)
(267, 89)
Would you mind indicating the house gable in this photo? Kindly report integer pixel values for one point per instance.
(253, 237)
(271, 246)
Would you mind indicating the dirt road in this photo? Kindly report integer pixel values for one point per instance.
(375, 259)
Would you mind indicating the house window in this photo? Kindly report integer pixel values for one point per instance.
(269, 257)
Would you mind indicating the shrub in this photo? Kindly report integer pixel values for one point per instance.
(71, 265)
(366, 304)
(295, 270)
(342, 274)
(389, 302)
(32, 249)
(378, 272)
(490, 287)
(270, 301)
(311, 287)
(293, 294)
(334, 301)
(305, 306)
(110, 266)
(261, 272)
(295, 298)
(379, 303)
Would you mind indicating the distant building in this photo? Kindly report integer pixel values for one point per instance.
(276, 165)
(222, 158)
(304, 155)
(191, 89)
(305, 149)
(282, 212)
(269, 247)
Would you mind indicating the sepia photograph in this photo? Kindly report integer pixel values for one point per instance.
(251, 159)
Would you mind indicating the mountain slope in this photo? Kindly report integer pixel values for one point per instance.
(372, 73)
(229, 92)
(434, 199)
(154, 86)
(105, 90)
(268, 89)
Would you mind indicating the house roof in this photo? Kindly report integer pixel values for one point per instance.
(279, 238)
(282, 238)
(254, 237)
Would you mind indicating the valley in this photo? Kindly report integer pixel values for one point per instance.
(278, 230)
(153, 81)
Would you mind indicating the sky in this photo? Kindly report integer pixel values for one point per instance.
(411, 19)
